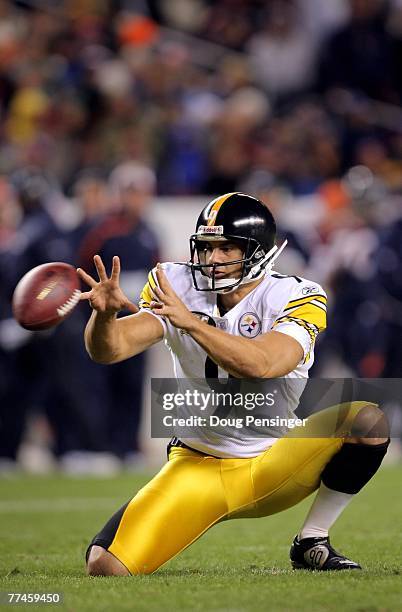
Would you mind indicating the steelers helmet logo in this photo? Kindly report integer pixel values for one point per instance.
(249, 325)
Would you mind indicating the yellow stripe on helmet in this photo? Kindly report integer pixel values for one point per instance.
(216, 204)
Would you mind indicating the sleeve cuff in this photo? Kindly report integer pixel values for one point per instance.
(161, 319)
(298, 333)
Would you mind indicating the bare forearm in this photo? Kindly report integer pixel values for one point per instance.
(239, 357)
(109, 339)
(102, 338)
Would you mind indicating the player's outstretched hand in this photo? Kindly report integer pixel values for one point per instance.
(106, 296)
(168, 304)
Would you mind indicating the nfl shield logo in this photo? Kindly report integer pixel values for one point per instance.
(249, 325)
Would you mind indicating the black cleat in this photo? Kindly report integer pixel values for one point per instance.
(318, 554)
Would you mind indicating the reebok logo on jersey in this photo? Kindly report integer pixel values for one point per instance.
(249, 325)
(309, 290)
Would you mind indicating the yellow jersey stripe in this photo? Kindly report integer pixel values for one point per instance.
(151, 280)
(147, 294)
(317, 296)
(313, 303)
(216, 206)
(310, 315)
(146, 297)
(310, 329)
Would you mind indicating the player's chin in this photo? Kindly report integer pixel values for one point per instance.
(226, 276)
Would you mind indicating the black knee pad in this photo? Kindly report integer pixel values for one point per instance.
(106, 536)
(355, 464)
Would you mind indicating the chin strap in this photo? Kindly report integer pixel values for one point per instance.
(255, 273)
(270, 258)
(225, 282)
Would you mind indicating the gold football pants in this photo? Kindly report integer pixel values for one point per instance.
(194, 491)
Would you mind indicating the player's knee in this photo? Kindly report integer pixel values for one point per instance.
(370, 426)
(96, 563)
(102, 563)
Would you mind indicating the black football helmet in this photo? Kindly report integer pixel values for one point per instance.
(238, 218)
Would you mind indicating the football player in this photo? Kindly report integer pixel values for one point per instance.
(254, 324)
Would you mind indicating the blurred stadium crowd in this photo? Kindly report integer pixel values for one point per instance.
(106, 104)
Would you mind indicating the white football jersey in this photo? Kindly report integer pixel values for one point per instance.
(287, 304)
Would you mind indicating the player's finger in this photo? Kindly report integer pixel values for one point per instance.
(132, 307)
(86, 295)
(163, 281)
(115, 269)
(158, 294)
(100, 268)
(157, 306)
(86, 278)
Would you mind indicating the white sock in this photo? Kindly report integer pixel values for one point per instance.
(326, 508)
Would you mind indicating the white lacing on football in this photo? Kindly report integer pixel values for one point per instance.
(63, 310)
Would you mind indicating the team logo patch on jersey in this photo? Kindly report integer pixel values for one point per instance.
(249, 325)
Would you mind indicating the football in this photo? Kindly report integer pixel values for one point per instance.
(46, 295)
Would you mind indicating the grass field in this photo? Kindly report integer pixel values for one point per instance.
(237, 566)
